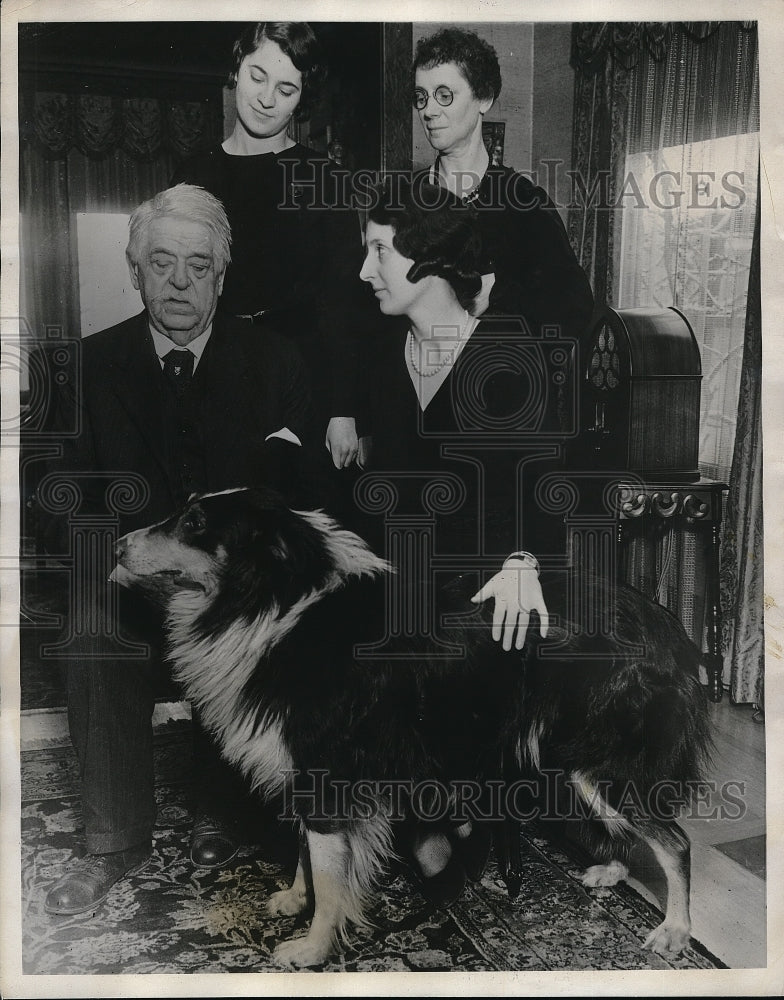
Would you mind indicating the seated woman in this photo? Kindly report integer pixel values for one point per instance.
(459, 409)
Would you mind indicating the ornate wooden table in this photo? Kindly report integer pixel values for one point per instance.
(672, 506)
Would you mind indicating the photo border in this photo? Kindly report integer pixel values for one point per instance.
(770, 15)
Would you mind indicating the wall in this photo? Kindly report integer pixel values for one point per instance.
(514, 44)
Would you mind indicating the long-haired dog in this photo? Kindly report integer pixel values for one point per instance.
(266, 610)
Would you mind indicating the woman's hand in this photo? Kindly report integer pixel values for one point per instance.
(365, 450)
(482, 300)
(517, 593)
(341, 441)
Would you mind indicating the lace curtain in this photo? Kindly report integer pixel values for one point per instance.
(91, 153)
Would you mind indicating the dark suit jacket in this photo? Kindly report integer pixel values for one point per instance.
(247, 385)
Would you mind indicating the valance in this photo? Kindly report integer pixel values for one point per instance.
(98, 124)
(626, 41)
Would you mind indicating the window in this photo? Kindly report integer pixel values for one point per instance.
(690, 246)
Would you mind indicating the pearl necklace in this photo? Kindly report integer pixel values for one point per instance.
(467, 199)
(447, 360)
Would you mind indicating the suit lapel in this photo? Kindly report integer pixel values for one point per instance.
(228, 395)
(136, 380)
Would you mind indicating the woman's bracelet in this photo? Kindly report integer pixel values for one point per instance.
(526, 557)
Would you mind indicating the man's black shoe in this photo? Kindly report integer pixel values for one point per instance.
(213, 842)
(89, 881)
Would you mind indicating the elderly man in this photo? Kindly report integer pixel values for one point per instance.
(188, 401)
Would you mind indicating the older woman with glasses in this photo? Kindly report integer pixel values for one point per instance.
(528, 266)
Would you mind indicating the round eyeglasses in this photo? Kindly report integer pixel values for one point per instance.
(442, 94)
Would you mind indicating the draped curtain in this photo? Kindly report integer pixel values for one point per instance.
(665, 163)
(600, 58)
(742, 542)
(90, 152)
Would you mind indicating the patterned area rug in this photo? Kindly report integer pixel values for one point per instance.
(172, 918)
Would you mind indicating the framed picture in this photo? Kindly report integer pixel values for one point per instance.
(493, 135)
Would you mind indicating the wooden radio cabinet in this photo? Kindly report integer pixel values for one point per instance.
(640, 397)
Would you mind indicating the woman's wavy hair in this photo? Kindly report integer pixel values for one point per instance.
(436, 230)
(297, 40)
(476, 59)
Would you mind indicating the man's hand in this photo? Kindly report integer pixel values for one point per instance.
(517, 593)
(341, 441)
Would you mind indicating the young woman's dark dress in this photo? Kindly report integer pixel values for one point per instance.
(295, 254)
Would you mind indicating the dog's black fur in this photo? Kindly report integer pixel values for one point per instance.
(266, 610)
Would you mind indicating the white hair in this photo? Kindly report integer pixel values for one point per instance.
(187, 201)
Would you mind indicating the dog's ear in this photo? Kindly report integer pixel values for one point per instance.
(295, 555)
(280, 550)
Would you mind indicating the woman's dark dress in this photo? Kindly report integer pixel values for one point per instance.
(525, 244)
(468, 466)
(295, 255)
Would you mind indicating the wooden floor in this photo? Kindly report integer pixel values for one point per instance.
(728, 900)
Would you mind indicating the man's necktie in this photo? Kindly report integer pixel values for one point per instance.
(178, 368)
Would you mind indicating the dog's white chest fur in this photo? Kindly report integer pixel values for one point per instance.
(214, 672)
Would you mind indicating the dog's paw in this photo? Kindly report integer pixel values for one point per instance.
(302, 952)
(668, 938)
(610, 874)
(287, 903)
